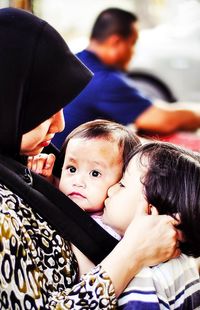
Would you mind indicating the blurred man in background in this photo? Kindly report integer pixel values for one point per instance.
(111, 93)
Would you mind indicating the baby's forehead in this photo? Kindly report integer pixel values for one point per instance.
(97, 143)
(93, 150)
(110, 138)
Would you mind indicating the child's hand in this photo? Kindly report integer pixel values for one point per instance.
(42, 164)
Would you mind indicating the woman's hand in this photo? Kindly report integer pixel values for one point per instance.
(155, 237)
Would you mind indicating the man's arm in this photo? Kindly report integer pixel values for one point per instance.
(166, 118)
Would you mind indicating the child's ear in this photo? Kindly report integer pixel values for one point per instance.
(151, 210)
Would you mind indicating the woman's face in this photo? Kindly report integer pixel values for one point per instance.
(35, 140)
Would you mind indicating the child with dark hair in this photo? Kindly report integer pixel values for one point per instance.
(165, 179)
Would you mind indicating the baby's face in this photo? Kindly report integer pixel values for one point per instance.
(91, 166)
(125, 199)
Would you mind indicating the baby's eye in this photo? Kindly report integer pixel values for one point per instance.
(95, 173)
(71, 169)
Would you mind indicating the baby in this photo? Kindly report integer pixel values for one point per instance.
(92, 160)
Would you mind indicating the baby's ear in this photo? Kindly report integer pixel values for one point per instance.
(152, 210)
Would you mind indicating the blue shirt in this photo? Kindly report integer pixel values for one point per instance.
(109, 95)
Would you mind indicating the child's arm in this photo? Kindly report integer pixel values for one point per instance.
(84, 264)
(43, 164)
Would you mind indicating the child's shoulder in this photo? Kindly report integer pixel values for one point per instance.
(174, 268)
(177, 279)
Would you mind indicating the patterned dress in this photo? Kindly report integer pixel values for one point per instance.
(38, 270)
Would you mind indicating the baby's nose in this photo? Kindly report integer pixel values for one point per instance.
(79, 181)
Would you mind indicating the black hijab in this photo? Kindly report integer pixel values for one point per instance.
(38, 75)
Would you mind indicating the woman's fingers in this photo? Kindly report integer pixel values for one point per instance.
(157, 237)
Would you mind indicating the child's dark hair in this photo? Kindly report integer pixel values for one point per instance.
(172, 185)
(105, 129)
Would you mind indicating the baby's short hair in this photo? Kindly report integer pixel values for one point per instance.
(126, 139)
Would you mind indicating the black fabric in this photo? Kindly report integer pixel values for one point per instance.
(71, 222)
(51, 148)
(38, 75)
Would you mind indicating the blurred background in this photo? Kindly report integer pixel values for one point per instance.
(166, 64)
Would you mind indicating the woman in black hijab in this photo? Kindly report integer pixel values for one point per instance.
(38, 76)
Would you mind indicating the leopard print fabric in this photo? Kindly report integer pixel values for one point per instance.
(38, 270)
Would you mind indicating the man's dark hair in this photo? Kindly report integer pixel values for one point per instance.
(113, 21)
(172, 185)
